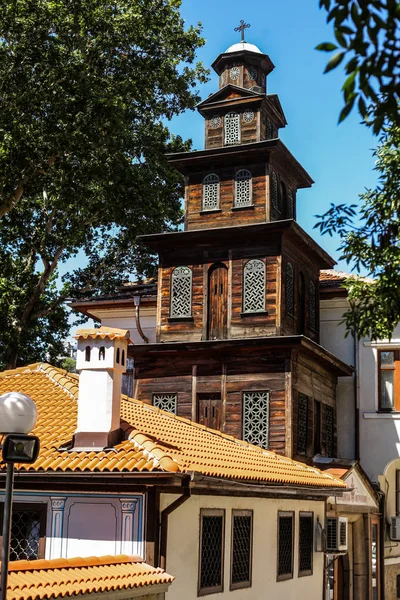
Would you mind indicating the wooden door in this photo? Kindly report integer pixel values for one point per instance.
(210, 408)
(217, 302)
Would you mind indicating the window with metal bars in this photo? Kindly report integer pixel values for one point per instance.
(241, 550)
(256, 418)
(181, 292)
(167, 402)
(243, 192)
(254, 286)
(285, 545)
(306, 542)
(329, 427)
(211, 192)
(211, 559)
(28, 530)
(302, 423)
(289, 289)
(232, 128)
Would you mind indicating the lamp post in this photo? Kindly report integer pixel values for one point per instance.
(18, 416)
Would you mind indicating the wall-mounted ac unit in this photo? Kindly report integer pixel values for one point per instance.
(395, 529)
(336, 534)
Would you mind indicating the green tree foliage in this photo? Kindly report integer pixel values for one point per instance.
(69, 364)
(86, 88)
(367, 39)
(370, 240)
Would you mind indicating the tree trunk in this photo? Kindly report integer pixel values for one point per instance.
(13, 359)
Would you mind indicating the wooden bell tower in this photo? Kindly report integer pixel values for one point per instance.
(238, 292)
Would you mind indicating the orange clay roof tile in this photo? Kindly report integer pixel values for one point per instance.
(155, 441)
(45, 579)
(103, 332)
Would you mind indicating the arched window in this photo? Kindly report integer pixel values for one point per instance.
(289, 289)
(274, 190)
(211, 192)
(243, 188)
(123, 358)
(312, 306)
(254, 286)
(181, 292)
(102, 353)
(87, 353)
(232, 128)
(117, 356)
(290, 205)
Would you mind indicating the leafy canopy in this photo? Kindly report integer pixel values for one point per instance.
(367, 38)
(86, 89)
(370, 239)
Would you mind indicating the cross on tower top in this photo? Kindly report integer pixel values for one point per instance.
(242, 27)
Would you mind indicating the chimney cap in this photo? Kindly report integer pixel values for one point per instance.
(111, 333)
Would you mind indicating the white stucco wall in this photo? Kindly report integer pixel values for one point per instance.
(124, 318)
(183, 549)
(332, 337)
(91, 524)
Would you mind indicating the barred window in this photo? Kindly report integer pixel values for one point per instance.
(312, 306)
(269, 130)
(256, 418)
(232, 128)
(329, 430)
(211, 192)
(254, 286)
(306, 543)
(285, 545)
(290, 205)
(274, 191)
(28, 530)
(181, 292)
(289, 289)
(302, 421)
(211, 559)
(167, 402)
(242, 534)
(243, 188)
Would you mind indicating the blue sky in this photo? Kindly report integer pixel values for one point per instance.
(338, 157)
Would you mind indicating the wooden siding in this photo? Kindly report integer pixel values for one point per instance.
(227, 216)
(317, 383)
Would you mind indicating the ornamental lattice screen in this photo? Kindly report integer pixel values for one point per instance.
(181, 292)
(254, 286)
(256, 418)
(211, 192)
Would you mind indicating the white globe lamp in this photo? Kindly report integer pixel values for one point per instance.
(18, 413)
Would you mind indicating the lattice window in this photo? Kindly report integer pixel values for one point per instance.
(181, 292)
(211, 550)
(27, 529)
(274, 190)
(289, 289)
(167, 402)
(256, 418)
(232, 128)
(243, 188)
(302, 422)
(312, 306)
(242, 531)
(290, 204)
(269, 130)
(211, 192)
(285, 545)
(306, 543)
(254, 286)
(329, 425)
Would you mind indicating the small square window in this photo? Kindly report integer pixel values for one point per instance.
(285, 545)
(242, 541)
(211, 555)
(167, 402)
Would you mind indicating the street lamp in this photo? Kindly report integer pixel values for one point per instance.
(18, 416)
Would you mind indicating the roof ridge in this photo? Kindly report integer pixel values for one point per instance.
(72, 563)
(67, 381)
(18, 370)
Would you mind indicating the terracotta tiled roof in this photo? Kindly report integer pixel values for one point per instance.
(101, 333)
(330, 278)
(63, 578)
(155, 440)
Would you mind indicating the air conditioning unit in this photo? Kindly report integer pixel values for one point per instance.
(336, 534)
(395, 529)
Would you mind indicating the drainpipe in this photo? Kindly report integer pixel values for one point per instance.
(136, 300)
(356, 396)
(382, 532)
(187, 492)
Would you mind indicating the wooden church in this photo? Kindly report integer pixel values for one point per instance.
(238, 289)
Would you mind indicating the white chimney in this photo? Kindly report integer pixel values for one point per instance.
(101, 361)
